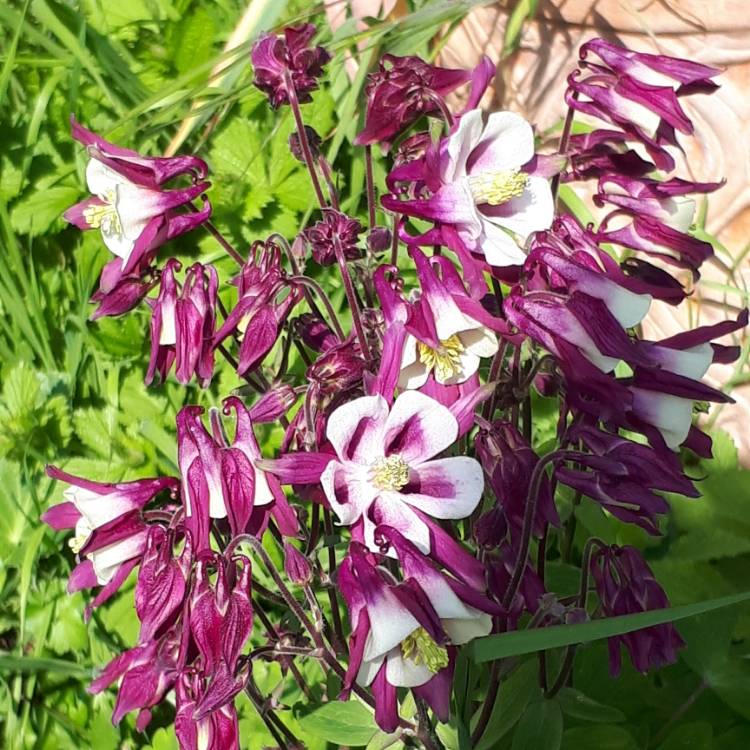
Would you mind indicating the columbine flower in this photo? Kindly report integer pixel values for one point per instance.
(442, 339)
(162, 582)
(661, 217)
(626, 585)
(110, 533)
(403, 633)
(622, 475)
(509, 461)
(485, 186)
(383, 473)
(279, 61)
(405, 88)
(130, 206)
(334, 227)
(638, 93)
(266, 297)
(145, 674)
(220, 480)
(182, 325)
(221, 618)
(217, 729)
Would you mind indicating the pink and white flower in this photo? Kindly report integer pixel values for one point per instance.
(383, 472)
(487, 184)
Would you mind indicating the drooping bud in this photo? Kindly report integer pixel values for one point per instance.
(296, 565)
(313, 140)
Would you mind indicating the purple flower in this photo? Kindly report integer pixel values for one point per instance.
(334, 227)
(279, 62)
(483, 183)
(447, 333)
(403, 633)
(182, 324)
(508, 461)
(145, 674)
(404, 89)
(622, 475)
(131, 207)
(217, 729)
(266, 297)
(637, 93)
(221, 619)
(162, 582)
(383, 474)
(221, 480)
(626, 585)
(110, 533)
(125, 296)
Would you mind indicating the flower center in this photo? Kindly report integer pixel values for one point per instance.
(445, 360)
(390, 473)
(419, 648)
(494, 188)
(105, 217)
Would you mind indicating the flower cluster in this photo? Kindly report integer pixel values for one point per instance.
(413, 432)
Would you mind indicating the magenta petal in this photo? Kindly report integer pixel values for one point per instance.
(386, 705)
(82, 577)
(61, 516)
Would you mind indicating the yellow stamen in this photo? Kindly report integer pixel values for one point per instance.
(77, 542)
(420, 648)
(494, 188)
(390, 473)
(104, 217)
(445, 360)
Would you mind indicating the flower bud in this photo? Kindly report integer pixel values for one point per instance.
(379, 239)
(273, 404)
(296, 566)
(313, 140)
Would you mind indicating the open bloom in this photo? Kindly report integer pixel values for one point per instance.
(486, 186)
(403, 633)
(130, 206)
(383, 472)
(110, 533)
(441, 338)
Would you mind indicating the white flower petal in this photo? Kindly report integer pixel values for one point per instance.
(355, 429)
(671, 415)
(461, 144)
(506, 144)
(404, 672)
(447, 488)
(532, 211)
(498, 247)
(418, 427)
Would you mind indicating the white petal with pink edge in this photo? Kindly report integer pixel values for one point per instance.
(418, 428)
(356, 429)
(448, 487)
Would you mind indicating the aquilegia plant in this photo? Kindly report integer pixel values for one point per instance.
(412, 500)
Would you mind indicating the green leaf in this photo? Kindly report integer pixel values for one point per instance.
(541, 726)
(21, 664)
(524, 11)
(515, 695)
(574, 703)
(35, 213)
(341, 722)
(528, 641)
(599, 737)
(696, 735)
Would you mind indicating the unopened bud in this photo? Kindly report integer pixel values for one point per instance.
(313, 140)
(296, 566)
(273, 404)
